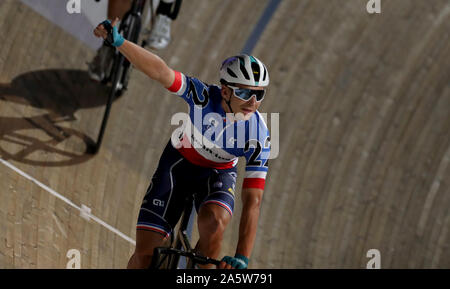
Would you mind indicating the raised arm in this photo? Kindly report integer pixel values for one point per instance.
(150, 64)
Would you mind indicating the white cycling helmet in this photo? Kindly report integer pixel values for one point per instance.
(244, 69)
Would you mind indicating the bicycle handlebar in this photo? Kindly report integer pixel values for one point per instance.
(197, 258)
(200, 259)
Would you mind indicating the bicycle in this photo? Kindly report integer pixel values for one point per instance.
(169, 257)
(119, 75)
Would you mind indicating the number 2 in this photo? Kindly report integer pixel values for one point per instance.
(252, 160)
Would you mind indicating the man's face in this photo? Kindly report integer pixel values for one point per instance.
(239, 106)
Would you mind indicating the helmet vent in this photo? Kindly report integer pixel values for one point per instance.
(256, 71)
(242, 67)
(231, 73)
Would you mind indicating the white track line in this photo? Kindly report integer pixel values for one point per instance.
(66, 200)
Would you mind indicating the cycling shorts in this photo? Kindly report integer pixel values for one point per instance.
(172, 181)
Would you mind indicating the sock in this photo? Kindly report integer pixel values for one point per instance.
(167, 7)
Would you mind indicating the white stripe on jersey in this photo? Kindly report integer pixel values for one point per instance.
(255, 174)
(210, 150)
(262, 119)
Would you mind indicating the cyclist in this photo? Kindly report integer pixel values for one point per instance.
(196, 160)
(159, 36)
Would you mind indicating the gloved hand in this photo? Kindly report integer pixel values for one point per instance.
(110, 33)
(237, 262)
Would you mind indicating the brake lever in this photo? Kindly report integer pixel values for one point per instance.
(204, 260)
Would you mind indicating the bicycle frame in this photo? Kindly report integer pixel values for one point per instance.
(181, 239)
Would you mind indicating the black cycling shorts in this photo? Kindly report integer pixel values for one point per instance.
(176, 177)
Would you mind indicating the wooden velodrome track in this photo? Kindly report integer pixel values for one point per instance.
(364, 103)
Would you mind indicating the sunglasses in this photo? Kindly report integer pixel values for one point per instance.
(246, 93)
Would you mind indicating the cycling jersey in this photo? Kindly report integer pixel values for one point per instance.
(210, 139)
(176, 178)
(201, 158)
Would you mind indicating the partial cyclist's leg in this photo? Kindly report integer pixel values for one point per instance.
(161, 207)
(146, 241)
(118, 8)
(215, 211)
(212, 221)
(166, 12)
(100, 65)
(169, 8)
(175, 9)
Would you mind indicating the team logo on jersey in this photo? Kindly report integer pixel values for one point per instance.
(158, 203)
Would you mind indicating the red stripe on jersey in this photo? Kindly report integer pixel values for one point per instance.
(197, 159)
(189, 153)
(256, 183)
(223, 205)
(177, 82)
(144, 227)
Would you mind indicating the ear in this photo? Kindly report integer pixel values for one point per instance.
(225, 91)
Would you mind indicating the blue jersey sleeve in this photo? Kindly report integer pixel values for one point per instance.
(191, 89)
